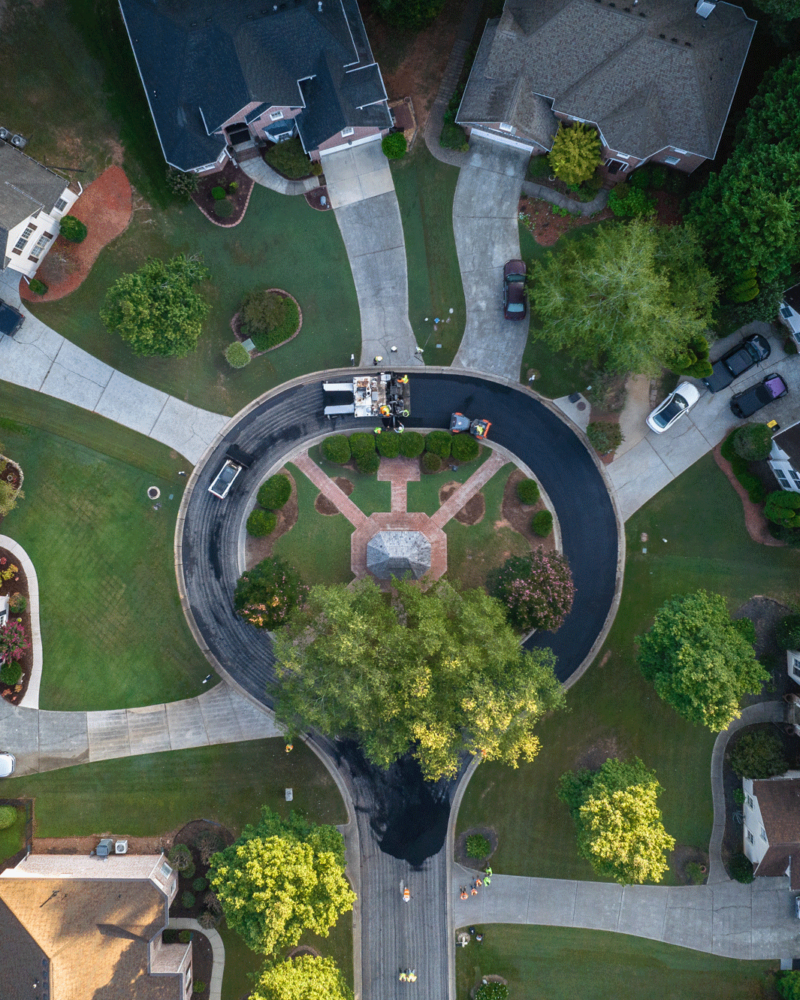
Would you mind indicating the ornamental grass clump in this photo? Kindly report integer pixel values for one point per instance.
(267, 594)
(536, 590)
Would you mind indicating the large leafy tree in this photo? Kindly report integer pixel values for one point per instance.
(630, 296)
(433, 672)
(303, 978)
(157, 309)
(280, 879)
(701, 661)
(619, 824)
(785, 10)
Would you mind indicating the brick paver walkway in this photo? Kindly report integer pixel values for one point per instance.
(399, 472)
(467, 490)
(328, 488)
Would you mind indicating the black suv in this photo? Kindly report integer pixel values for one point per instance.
(742, 358)
(10, 319)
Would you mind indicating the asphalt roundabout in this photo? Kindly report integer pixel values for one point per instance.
(269, 429)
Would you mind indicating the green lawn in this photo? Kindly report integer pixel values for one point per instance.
(318, 546)
(563, 963)
(12, 839)
(369, 494)
(113, 632)
(424, 495)
(425, 189)
(475, 550)
(612, 710)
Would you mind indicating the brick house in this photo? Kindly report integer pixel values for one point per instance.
(221, 77)
(772, 826)
(75, 927)
(655, 77)
(33, 200)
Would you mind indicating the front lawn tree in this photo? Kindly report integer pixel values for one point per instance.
(619, 824)
(576, 153)
(303, 978)
(157, 309)
(434, 673)
(700, 660)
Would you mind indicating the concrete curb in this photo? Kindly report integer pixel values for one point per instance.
(458, 795)
(217, 949)
(585, 208)
(31, 699)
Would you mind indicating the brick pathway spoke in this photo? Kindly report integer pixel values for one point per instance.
(465, 492)
(329, 489)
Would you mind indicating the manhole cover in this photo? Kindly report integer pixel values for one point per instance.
(153, 492)
(581, 406)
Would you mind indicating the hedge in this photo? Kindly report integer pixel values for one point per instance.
(528, 491)
(412, 444)
(389, 444)
(431, 462)
(465, 448)
(362, 443)
(741, 470)
(542, 523)
(261, 523)
(274, 493)
(439, 443)
(336, 448)
(368, 462)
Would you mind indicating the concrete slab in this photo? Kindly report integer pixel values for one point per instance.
(635, 412)
(254, 723)
(63, 739)
(186, 428)
(598, 905)
(131, 403)
(357, 174)
(643, 910)
(186, 726)
(23, 361)
(688, 919)
(372, 225)
(108, 734)
(19, 734)
(681, 447)
(220, 715)
(552, 902)
(147, 729)
(73, 377)
(579, 412)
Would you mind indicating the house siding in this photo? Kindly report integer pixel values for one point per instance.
(753, 825)
(42, 224)
(338, 141)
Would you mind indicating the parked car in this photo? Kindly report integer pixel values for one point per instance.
(673, 408)
(745, 404)
(10, 319)
(224, 479)
(736, 362)
(514, 299)
(8, 763)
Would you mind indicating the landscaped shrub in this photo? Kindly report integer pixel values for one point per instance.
(528, 491)
(753, 442)
(184, 936)
(739, 796)
(200, 884)
(180, 857)
(336, 448)
(630, 202)
(536, 590)
(189, 871)
(275, 492)
(316, 168)
(180, 183)
(439, 443)
(268, 318)
(652, 176)
(207, 843)
(12, 641)
(362, 443)
(431, 462)
(37, 286)
(788, 985)
(261, 523)
(542, 523)
(758, 755)
(233, 187)
(207, 920)
(492, 991)
(740, 468)
(477, 846)
(412, 444)
(187, 900)
(266, 594)
(199, 986)
(539, 166)
(576, 153)
(10, 674)
(389, 444)
(465, 448)
(368, 462)
(219, 193)
(223, 209)
(741, 869)
(783, 507)
(17, 603)
(604, 436)
(452, 135)
(787, 633)
(72, 229)
(394, 146)
(289, 159)
(211, 900)
(692, 359)
(237, 355)
(695, 873)
(8, 816)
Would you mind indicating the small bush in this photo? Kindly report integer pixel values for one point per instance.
(431, 462)
(465, 448)
(758, 755)
(362, 443)
(439, 443)
(275, 492)
(237, 355)
(394, 146)
(753, 442)
(219, 193)
(368, 462)
(604, 436)
(788, 985)
(8, 816)
(539, 167)
(223, 209)
(261, 523)
(17, 604)
(787, 633)
(741, 869)
(625, 201)
(199, 986)
(477, 846)
(184, 936)
(187, 900)
(739, 796)
(652, 176)
(452, 135)
(528, 491)
(542, 523)
(180, 183)
(37, 287)
(207, 843)
(740, 468)
(207, 920)
(200, 884)
(412, 444)
(233, 187)
(336, 448)
(73, 229)
(268, 318)
(189, 872)
(389, 444)
(212, 902)
(316, 168)
(180, 857)
(492, 991)
(695, 873)
(10, 674)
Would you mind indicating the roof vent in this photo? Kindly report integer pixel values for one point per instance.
(19, 141)
(675, 40)
(704, 7)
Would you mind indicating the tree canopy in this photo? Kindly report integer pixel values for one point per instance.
(701, 661)
(576, 153)
(156, 309)
(433, 672)
(281, 878)
(302, 978)
(630, 297)
(619, 824)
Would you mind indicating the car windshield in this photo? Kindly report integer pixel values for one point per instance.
(670, 411)
(515, 277)
(516, 307)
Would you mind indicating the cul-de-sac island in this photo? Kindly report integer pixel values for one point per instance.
(399, 499)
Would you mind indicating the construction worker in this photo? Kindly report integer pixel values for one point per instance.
(412, 975)
(473, 891)
(403, 976)
(464, 892)
(377, 430)
(489, 871)
(403, 380)
(487, 880)
(289, 747)
(385, 411)
(478, 882)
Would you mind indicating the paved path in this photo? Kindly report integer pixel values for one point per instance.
(361, 189)
(217, 950)
(328, 488)
(264, 175)
(597, 204)
(21, 558)
(39, 358)
(487, 235)
(467, 490)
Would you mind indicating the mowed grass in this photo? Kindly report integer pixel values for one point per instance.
(12, 839)
(113, 632)
(424, 495)
(425, 189)
(370, 494)
(612, 710)
(564, 963)
(318, 546)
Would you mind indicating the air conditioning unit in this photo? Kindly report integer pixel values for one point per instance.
(19, 141)
(121, 847)
(4, 134)
(105, 847)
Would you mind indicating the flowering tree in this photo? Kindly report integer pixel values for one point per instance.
(267, 593)
(12, 641)
(537, 590)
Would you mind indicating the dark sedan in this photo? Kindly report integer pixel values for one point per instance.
(742, 358)
(745, 404)
(514, 300)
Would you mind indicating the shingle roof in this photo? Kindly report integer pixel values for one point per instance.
(779, 802)
(220, 55)
(25, 186)
(649, 76)
(395, 553)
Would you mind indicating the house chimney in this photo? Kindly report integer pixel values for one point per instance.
(704, 8)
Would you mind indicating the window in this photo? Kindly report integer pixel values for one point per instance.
(749, 837)
(505, 127)
(763, 833)
(60, 205)
(795, 476)
(20, 244)
(166, 870)
(749, 802)
(796, 667)
(39, 246)
(275, 115)
(781, 477)
(682, 151)
(348, 131)
(672, 160)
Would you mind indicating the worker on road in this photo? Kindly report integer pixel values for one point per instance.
(403, 976)
(464, 892)
(403, 380)
(412, 975)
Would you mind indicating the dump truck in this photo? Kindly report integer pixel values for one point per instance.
(384, 395)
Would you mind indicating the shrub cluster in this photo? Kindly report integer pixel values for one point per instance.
(275, 492)
(268, 318)
(237, 355)
(758, 755)
(740, 468)
(336, 448)
(629, 202)
(783, 507)
(465, 448)
(362, 448)
(73, 229)
(741, 869)
(604, 436)
(180, 183)
(478, 846)
(266, 594)
(542, 523)
(261, 523)
(12, 641)
(787, 633)
(389, 444)
(536, 590)
(439, 443)
(528, 491)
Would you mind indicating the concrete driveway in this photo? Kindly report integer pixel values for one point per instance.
(487, 235)
(361, 189)
(645, 468)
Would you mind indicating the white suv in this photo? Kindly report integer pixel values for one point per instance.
(224, 479)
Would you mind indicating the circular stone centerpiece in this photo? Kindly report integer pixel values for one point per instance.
(395, 553)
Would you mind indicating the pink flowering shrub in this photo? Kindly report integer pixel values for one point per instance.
(268, 593)
(12, 641)
(537, 590)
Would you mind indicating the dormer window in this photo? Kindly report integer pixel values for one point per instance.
(275, 115)
(347, 131)
(505, 127)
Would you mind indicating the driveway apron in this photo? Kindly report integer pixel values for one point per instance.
(487, 235)
(362, 194)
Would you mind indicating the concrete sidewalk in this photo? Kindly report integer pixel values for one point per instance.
(264, 175)
(217, 951)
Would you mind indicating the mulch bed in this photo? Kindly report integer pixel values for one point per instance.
(18, 584)
(754, 519)
(314, 198)
(472, 512)
(547, 227)
(256, 549)
(460, 851)
(520, 515)
(240, 198)
(105, 207)
(242, 337)
(322, 505)
(12, 474)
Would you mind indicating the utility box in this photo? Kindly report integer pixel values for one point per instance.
(121, 847)
(105, 847)
(289, 794)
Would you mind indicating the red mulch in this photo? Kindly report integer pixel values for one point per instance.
(240, 198)
(548, 227)
(315, 196)
(105, 208)
(754, 519)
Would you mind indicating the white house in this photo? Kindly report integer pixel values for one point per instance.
(784, 458)
(789, 312)
(33, 200)
(772, 825)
